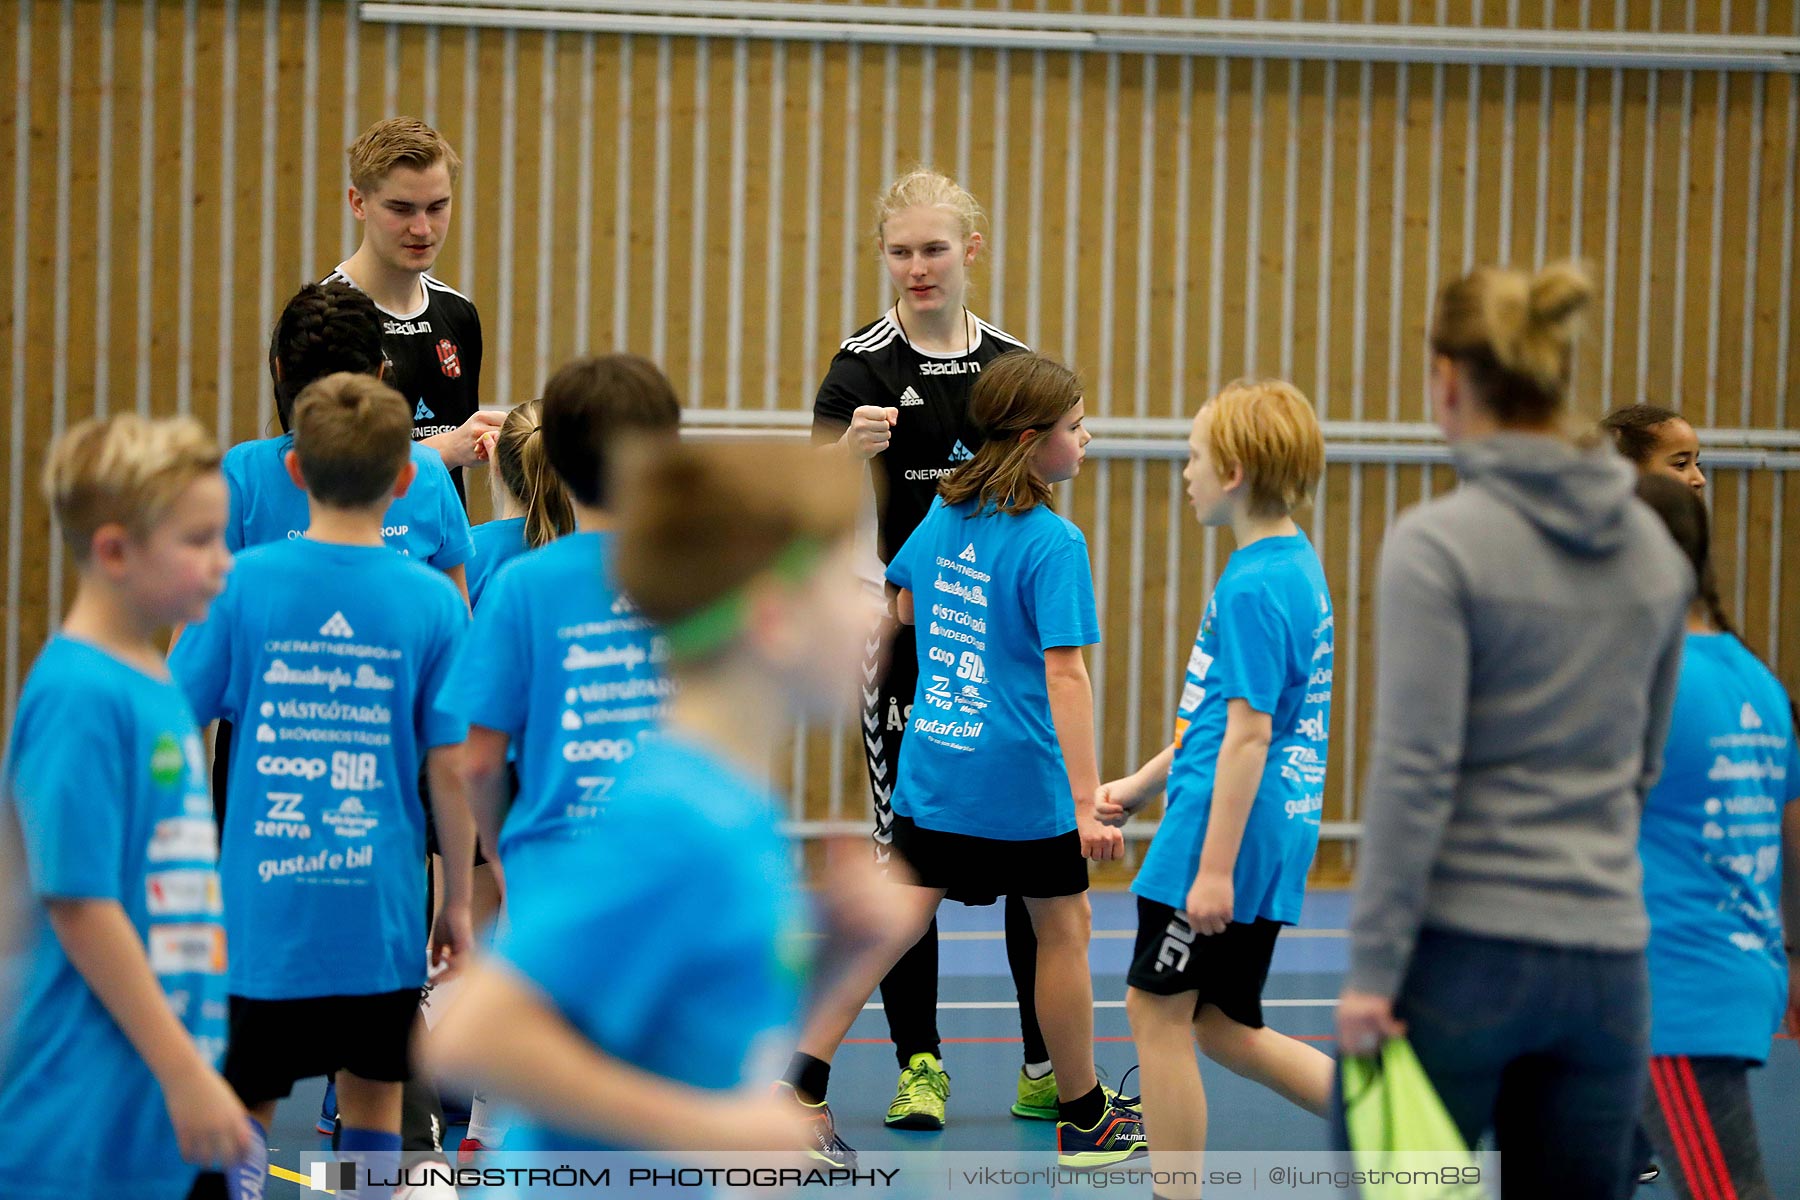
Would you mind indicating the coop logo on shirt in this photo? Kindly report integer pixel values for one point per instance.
(300, 768)
(601, 750)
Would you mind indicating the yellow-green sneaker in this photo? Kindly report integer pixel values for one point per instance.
(919, 1101)
(1037, 1097)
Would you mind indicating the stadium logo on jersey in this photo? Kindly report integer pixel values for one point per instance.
(960, 453)
(421, 413)
(910, 398)
(1748, 718)
(337, 627)
(950, 368)
(405, 328)
(968, 554)
(447, 358)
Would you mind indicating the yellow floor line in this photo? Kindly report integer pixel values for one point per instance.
(293, 1177)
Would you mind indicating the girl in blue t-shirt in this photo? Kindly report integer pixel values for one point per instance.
(742, 555)
(1720, 836)
(534, 506)
(997, 776)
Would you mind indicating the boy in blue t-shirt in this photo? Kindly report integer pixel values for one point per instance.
(327, 328)
(560, 673)
(1245, 775)
(328, 652)
(118, 1018)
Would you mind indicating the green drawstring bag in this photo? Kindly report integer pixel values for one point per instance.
(1399, 1130)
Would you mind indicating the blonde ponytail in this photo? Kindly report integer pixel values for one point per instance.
(1516, 333)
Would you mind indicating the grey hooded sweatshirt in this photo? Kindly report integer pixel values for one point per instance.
(1529, 638)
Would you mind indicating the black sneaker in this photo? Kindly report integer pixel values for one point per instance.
(823, 1143)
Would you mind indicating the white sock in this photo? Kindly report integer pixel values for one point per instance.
(1036, 1070)
(482, 1127)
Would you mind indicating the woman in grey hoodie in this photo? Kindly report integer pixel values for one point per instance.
(1520, 715)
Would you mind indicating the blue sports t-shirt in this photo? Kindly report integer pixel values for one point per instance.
(108, 783)
(332, 690)
(991, 593)
(1266, 639)
(694, 898)
(496, 544)
(562, 663)
(428, 523)
(1711, 847)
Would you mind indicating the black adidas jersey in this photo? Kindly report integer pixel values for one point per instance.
(436, 352)
(877, 365)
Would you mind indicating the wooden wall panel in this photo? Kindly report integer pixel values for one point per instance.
(1164, 223)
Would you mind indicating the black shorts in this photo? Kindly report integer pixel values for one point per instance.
(275, 1043)
(1226, 970)
(978, 870)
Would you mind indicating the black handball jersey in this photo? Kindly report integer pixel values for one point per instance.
(877, 365)
(436, 352)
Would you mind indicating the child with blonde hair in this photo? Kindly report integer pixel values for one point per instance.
(1245, 775)
(118, 1023)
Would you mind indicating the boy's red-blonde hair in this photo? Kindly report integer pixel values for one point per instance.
(1269, 428)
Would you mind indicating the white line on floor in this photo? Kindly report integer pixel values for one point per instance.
(1005, 1004)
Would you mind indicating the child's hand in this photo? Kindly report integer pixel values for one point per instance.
(452, 940)
(484, 446)
(1209, 903)
(871, 429)
(1116, 802)
(1364, 1021)
(211, 1127)
(1102, 843)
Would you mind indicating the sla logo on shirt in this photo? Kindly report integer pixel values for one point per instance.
(910, 398)
(960, 453)
(166, 760)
